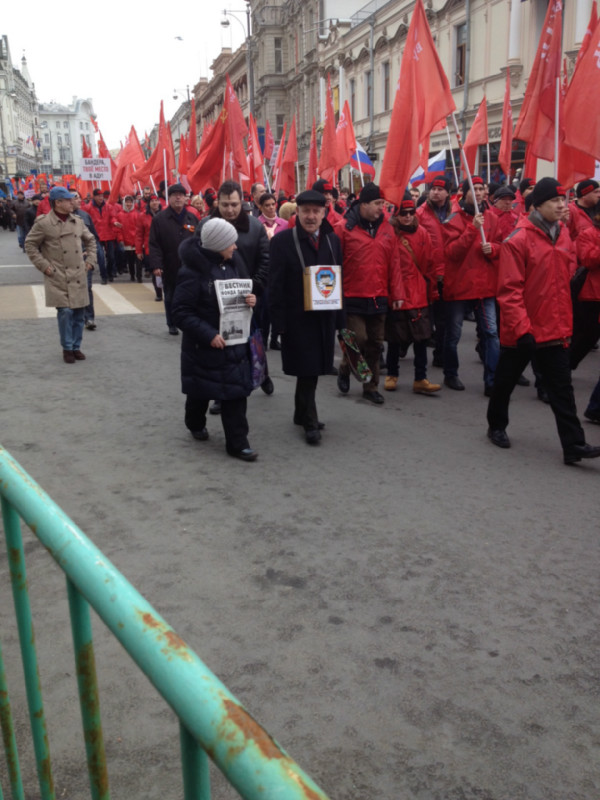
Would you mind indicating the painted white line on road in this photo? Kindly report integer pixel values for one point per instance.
(39, 296)
(114, 301)
(16, 266)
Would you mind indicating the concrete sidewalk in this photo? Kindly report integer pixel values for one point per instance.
(409, 610)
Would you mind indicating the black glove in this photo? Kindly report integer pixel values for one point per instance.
(526, 343)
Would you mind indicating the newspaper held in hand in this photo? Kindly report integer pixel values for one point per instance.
(234, 322)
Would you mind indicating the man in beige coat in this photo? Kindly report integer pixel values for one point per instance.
(63, 249)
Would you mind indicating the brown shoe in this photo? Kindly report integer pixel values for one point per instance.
(78, 355)
(68, 357)
(425, 387)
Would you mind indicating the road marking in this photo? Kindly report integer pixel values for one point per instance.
(29, 301)
(39, 298)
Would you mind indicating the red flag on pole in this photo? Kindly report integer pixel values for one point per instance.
(506, 136)
(206, 169)
(269, 142)
(155, 165)
(192, 139)
(328, 158)
(423, 99)
(287, 175)
(132, 159)
(236, 130)
(536, 124)
(182, 167)
(255, 158)
(477, 135)
(312, 157)
(581, 102)
(344, 136)
(278, 160)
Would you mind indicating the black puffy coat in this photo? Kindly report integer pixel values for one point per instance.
(207, 372)
(308, 337)
(253, 246)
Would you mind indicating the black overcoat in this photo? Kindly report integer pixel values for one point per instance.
(307, 337)
(207, 372)
(167, 232)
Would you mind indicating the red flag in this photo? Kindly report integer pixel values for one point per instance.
(506, 136)
(312, 157)
(278, 160)
(423, 99)
(477, 135)
(269, 142)
(581, 102)
(155, 165)
(255, 158)
(344, 136)
(328, 158)
(132, 159)
(236, 130)
(192, 140)
(95, 124)
(86, 150)
(530, 165)
(587, 37)
(536, 123)
(287, 176)
(182, 167)
(104, 152)
(207, 168)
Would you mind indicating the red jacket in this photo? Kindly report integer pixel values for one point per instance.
(470, 274)
(142, 233)
(102, 217)
(431, 222)
(588, 255)
(371, 266)
(128, 220)
(579, 220)
(417, 276)
(507, 221)
(534, 285)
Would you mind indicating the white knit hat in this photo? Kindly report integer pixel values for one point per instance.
(217, 235)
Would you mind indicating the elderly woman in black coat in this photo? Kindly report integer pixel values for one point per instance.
(209, 368)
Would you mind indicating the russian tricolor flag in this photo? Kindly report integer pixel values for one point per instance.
(436, 167)
(366, 165)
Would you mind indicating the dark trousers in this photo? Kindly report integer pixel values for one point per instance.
(369, 330)
(438, 314)
(168, 292)
(89, 309)
(553, 365)
(233, 418)
(586, 329)
(133, 265)
(305, 407)
(392, 359)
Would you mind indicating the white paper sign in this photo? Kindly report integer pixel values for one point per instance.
(95, 169)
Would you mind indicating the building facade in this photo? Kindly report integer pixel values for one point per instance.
(62, 129)
(19, 121)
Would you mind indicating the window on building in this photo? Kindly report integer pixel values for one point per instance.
(81, 126)
(369, 92)
(67, 139)
(65, 124)
(278, 45)
(46, 154)
(58, 138)
(46, 138)
(58, 123)
(385, 69)
(87, 126)
(352, 93)
(279, 122)
(460, 56)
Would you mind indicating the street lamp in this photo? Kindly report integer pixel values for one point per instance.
(177, 92)
(12, 96)
(249, 68)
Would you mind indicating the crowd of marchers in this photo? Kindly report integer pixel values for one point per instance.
(521, 261)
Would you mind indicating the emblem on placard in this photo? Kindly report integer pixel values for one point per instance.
(325, 281)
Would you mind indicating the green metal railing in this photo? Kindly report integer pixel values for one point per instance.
(212, 722)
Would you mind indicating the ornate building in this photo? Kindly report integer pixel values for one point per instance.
(19, 128)
(62, 131)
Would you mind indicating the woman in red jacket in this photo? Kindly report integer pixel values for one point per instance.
(411, 324)
(125, 222)
(586, 309)
(142, 236)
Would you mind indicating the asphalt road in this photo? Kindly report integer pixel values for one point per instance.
(410, 611)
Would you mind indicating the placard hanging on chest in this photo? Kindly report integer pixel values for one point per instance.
(323, 288)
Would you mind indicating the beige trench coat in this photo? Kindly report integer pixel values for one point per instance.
(61, 246)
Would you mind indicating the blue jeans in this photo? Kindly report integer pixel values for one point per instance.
(593, 406)
(485, 314)
(21, 236)
(101, 262)
(70, 327)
